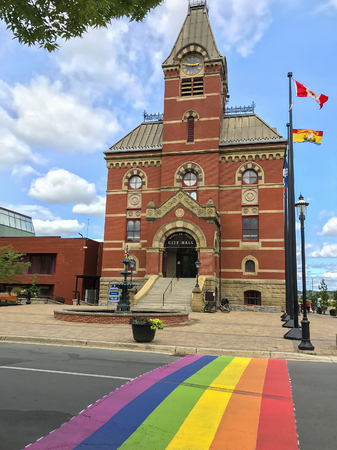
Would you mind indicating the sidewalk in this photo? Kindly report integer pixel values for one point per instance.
(247, 334)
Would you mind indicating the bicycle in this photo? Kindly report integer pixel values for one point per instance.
(212, 307)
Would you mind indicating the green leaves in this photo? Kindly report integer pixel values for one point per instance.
(43, 22)
(11, 264)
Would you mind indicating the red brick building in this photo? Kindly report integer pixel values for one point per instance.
(62, 265)
(199, 183)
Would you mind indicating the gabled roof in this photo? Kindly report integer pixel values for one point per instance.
(195, 30)
(247, 128)
(147, 136)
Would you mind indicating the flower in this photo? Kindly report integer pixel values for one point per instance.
(155, 323)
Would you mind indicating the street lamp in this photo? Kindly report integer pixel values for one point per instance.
(305, 344)
(197, 265)
(132, 267)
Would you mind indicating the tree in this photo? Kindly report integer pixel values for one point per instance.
(42, 22)
(335, 299)
(11, 264)
(34, 289)
(323, 288)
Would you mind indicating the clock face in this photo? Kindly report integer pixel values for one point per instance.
(191, 65)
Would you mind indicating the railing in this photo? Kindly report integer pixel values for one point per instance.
(240, 109)
(170, 284)
(152, 117)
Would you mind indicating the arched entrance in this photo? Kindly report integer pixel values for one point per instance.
(180, 256)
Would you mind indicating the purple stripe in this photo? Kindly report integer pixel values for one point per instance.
(80, 427)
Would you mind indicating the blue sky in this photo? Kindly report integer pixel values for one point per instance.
(60, 111)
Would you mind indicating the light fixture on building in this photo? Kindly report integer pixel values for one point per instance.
(197, 265)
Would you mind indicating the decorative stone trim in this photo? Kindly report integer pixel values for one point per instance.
(267, 309)
(249, 195)
(191, 48)
(252, 166)
(250, 211)
(250, 157)
(181, 198)
(189, 167)
(148, 161)
(129, 175)
(243, 265)
(190, 113)
(176, 226)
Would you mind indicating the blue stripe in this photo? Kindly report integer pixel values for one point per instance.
(119, 428)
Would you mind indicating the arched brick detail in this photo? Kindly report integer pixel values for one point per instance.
(249, 165)
(131, 173)
(188, 167)
(243, 265)
(190, 113)
(192, 48)
(176, 226)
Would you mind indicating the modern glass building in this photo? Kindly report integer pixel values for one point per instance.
(13, 224)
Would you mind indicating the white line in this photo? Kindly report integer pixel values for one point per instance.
(67, 373)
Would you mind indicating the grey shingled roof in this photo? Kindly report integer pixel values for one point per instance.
(246, 128)
(195, 30)
(147, 136)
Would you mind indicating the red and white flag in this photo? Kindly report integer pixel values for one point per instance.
(302, 91)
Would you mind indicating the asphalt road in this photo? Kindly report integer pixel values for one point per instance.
(44, 386)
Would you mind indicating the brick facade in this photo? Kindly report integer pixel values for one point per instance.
(163, 154)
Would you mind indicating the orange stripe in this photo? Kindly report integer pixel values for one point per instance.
(239, 425)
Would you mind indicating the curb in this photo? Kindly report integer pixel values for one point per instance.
(169, 349)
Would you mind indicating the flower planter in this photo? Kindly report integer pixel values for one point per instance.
(142, 332)
(332, 312)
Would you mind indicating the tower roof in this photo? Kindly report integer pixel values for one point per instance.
(196, 30)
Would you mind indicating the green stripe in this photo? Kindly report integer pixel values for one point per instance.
(157, 431)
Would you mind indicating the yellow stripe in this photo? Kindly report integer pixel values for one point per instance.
(198, 430)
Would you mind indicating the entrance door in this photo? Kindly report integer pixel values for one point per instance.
(186, 259)
(180, 256)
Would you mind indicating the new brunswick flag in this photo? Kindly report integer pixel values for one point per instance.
(307, 136)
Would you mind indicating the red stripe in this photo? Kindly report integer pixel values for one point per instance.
(277, 420)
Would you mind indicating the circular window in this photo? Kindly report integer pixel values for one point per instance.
(190, 179)
(249, 177)
(135, 182)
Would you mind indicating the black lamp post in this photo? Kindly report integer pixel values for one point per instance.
(124, 300)
(305, 344)
(197, 265)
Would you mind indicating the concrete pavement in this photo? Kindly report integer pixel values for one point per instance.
(246, 334)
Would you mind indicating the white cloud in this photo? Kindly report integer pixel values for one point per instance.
(61, 186)
(330, 228)
(96, 208)
(22, 171)
(332, 275)
(63, 228)
(43, 115)
(14, 152)
(327, 251)
(324, 212)
(243, 22)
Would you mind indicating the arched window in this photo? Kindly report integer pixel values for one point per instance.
(250, 266)
(249, 177)
(135, 182)
(133, 230)
(252, 298)
(250, 230)
(190, 129)
(190, 181)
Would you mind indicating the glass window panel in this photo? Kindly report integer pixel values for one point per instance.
(250, 266)
(11, 222)
(193, 195)
(4, 219)
(135, 182)
(245, 223)
(190, 179)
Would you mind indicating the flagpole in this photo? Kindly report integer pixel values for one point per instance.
(295, 333)
(286, 316)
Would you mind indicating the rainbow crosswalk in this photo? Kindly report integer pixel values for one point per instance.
(196, 403)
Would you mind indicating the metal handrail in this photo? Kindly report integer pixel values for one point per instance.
(170, 284)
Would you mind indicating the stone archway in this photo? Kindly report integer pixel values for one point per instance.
(179, 225)
(179, 256)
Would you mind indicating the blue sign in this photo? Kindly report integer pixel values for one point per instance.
(113, 294)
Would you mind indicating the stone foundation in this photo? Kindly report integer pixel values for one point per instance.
(272, 292)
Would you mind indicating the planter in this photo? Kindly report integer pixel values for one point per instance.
(332, 312)
(142, 332)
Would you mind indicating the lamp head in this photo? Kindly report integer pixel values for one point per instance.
(301, 206)
(197, 264)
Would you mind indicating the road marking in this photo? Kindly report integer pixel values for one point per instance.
(67, 373)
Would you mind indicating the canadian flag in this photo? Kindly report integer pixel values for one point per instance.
(302, 91)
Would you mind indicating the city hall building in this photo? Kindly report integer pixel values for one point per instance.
(200, 182)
